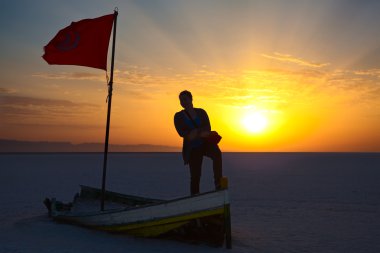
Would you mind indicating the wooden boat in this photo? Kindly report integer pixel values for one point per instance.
(201, 218)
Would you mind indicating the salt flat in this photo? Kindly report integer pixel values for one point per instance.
(281, 202)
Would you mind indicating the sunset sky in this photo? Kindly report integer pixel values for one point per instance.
(274, 75)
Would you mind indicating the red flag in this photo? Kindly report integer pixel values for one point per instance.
(83, 43)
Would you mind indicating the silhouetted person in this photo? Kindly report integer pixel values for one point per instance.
(194, 147)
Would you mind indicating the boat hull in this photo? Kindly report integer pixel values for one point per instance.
(204, 214)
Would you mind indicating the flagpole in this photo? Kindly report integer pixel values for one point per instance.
(108, 115)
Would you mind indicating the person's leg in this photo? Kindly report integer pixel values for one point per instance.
(213, 151)
(195, 164)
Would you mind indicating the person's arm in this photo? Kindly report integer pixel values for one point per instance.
(180, 126)
(182, 129)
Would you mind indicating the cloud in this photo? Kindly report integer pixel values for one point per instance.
(31, 101)
(271, 88)
(6, 90)
(292, 59)
(72, 76)
(368, 72)
(268, 87)
(22, 109)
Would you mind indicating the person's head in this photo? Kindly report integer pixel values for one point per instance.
(186, 99)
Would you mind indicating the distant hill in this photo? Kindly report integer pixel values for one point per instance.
(14, 146)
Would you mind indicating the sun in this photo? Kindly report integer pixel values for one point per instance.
(255, 122)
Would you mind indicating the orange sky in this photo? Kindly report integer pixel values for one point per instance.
(311, 70)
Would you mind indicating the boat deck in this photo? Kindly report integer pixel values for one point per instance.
(91, 205)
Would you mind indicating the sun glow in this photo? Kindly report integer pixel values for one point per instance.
(255, 122)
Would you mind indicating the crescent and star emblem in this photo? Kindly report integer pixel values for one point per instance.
(70, 41)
